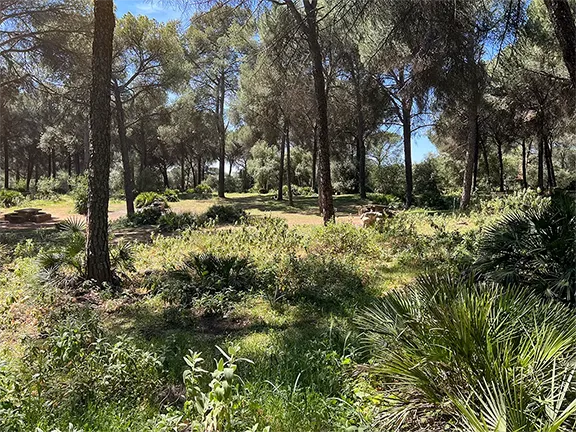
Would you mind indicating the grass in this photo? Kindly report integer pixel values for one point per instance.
(296, 327)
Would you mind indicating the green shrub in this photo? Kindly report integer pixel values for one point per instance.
(51, 188)
(211, 282)
(75, 363)
(146, 199)
(385, 199)
(171, 221)
(171, 195)
(466, 351)
(145, 216)
(225, 213)
(527, 199)
(63, 265)
(534, 248)
(80, 194)
(10, 198)
(202, 191)
(321, 280)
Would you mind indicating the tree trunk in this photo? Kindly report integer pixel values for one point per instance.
(6, 161)
(407, 137)
(29, 173)
(315, 159)
(563, 21)
(280, 196)
(86, 139)
(501, 163)
(49, 163)
(4, 141)
(200, 170)
(471, 152)
(124, 151)
(309, 25)
(289, 166)
(486, 163)
(69, 164)
(476, 157)
(221, 134)
(53, 159)
(165, 178)
(549, 165)
(97, 252)
(360, 131)
(541, 162)
(524, 167)
(183, 172)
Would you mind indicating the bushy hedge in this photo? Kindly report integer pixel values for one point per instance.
(10, 198)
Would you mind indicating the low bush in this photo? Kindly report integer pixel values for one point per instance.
(534, 248)
(171, 221)
(527, 199)
(385, 199)
(10, 198)
(63, 265)
(473, 355)
(171, 195)
(202, 191)
(321, 280)
(145, 216)
(225, 213)
(211, 282)
(74, 363)
(146, 199)
(80, 194)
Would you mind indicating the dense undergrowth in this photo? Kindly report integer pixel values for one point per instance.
(259, 326)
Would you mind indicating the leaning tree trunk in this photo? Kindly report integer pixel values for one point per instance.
(288, 165)
(97, 252)
(407, 138)
(221, 135)
(562, 19)
(471, 153)
(360, 131)
(280, 196)
(124, 152)
(325, 197)
(315, 159)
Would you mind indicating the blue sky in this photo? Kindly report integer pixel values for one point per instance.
(421, 145)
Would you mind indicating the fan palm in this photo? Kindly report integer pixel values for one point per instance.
(534, 248)
(504, 355)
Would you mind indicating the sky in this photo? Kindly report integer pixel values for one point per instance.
(161, 11)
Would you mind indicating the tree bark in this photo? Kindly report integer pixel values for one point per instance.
(541, 162)
(501, 163)
(407, 138)
(360, 132)
(124, 151)
(549, 165)
(280, 196)
(309, 25)
(524, 167)
(86, 142)
(315, 159)
(97, 252)
(288, 165)
(6, 160)
(562, 19)
(183, 172)
(486, 163)
(221, 134)
(471, 152)
(53, 159)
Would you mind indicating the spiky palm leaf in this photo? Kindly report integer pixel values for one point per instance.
(444, 339)
(535, 248)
